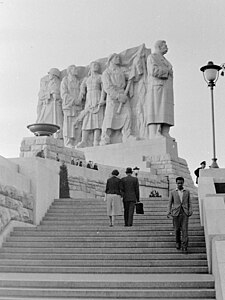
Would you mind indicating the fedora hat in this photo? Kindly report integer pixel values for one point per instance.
(129, 171)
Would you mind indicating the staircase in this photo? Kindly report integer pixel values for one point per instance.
(74, 254)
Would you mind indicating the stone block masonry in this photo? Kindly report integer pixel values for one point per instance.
(53, 149)
(15, 205)
(168, 166)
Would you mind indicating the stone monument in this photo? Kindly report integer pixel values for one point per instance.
(123, 104)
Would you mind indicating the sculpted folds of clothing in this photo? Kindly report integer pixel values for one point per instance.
(160, 100)
(92, 86)
(114, 84)
(71, 108)
(50, 111)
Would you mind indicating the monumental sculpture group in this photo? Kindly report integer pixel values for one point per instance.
(128, 96)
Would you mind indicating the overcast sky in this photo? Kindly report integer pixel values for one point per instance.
(36, 35)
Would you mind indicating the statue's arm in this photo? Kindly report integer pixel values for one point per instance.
(67, 100)
(157, 69)
(54, 89)
(83, 88)
(108, 87)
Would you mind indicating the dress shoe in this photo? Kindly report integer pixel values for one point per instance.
(178, 246)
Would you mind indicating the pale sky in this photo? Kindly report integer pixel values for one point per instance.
(36, 35)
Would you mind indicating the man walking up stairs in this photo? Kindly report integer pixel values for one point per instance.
(74, 254)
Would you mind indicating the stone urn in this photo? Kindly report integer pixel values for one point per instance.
(43, 129)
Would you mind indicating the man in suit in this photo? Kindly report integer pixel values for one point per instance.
(130, 194)
(180, 208)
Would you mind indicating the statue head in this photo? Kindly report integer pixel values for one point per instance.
(114, 58)
(161, 47)
(94, 66)
(54, 72)
(72, 70)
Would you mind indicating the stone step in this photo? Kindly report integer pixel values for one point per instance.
(94, 250)
(88, 201)
(106, 269)
(102, 233)
(128, 230)
(92, 200)
(110, 293)
(97, 238)
(65, 256)
(96, 298)
(102, 205)
(102, 210)
(101, 244)
(90, 221)
(129, 262)
(107, 280)
(147, 215)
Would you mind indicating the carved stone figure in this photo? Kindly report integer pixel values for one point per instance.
(159, 104)
(72, 106)
(93, 113)
(138, 91)
(49, 108)
(118, 112)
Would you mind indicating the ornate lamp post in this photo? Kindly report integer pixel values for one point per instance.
(211, 74)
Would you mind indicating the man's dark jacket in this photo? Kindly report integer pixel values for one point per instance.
(130, 189)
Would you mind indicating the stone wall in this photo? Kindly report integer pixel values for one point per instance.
(168, 166)
(95, 188)
(91, 187)
(15, 205)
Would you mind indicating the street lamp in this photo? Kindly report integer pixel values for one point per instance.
(211, 74)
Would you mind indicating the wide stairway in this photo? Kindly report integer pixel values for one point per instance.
(74, 254)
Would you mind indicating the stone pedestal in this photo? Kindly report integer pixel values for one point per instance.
(132, 153)
(158, 156)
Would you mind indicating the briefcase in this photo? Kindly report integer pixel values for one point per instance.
(139, 208)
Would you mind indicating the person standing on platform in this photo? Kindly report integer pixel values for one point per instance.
(180, 208)
(202, 166)
(130, 194)
(113, 197)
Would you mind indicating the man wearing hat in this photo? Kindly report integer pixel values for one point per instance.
(202, 166)
(130, 194)
(113, 197)
(117, 119)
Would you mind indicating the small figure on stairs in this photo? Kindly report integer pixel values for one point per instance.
(180, 208)
(113, 197)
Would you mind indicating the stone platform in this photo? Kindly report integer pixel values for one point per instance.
(132, 153)
(158, 156)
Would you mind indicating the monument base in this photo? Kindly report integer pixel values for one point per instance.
(131, 153)
(158, 157)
